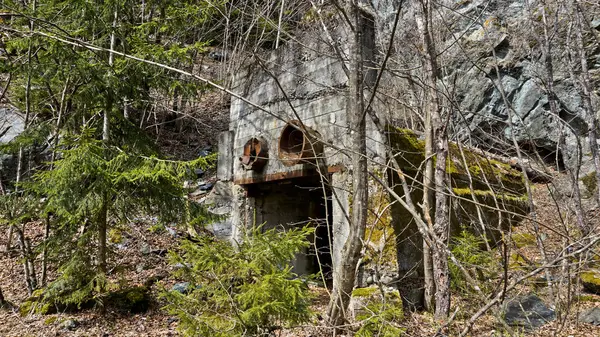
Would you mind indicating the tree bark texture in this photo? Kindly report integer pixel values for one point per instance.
(344, 277)
(102, 226)
(439, 137)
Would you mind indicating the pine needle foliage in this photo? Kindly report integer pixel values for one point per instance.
(89, 176)
(250, 290)
(482, 264)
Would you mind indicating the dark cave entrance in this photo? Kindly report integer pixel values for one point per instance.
(296, 203)
(549, 156)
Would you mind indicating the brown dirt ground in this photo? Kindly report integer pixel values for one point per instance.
(138, 267)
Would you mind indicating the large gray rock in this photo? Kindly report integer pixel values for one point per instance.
(491, 43)
(591, 316)
(528, 312)
(222, 202)
(12, 124)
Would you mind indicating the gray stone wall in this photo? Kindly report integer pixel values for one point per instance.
(315, 86)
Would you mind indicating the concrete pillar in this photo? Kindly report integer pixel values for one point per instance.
(239, 214)
(340, 186)
(225, 157)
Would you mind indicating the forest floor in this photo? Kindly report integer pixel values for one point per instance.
(139, 250)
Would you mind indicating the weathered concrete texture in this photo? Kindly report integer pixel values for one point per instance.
(480, 186)
(225, 159)
(305, 82)
(315, 85)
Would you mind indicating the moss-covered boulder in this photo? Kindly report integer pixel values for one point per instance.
(590, 183)
(523, 239)
(590, 281)
(134, 299)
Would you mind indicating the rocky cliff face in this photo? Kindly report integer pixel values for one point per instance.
(494, 77)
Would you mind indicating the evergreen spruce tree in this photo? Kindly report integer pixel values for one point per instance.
(245, 292)
(83, 184)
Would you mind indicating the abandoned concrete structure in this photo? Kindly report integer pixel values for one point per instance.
(286, 157)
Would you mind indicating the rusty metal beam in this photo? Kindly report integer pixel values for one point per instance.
(285, 175)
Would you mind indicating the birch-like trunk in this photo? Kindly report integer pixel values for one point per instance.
(103, 216)
(439, 142)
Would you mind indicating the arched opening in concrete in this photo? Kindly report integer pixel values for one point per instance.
(298, 144)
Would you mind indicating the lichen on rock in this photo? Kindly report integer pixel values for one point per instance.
(590, 281)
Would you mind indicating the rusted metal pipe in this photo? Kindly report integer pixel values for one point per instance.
(255, 155)
(298, 145)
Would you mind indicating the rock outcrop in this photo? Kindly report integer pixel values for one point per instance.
(491, 56)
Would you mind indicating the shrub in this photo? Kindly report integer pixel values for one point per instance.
(250, 290)
(380, 315)
(467, 249)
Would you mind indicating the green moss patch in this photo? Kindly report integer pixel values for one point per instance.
(379, 234)
(50, 320)
(483, 172)
(133, 300)
(34, 304)
(480, 186)
(377, 315)
(523, 239)
(590, 281)
(590, 183)
(587, 298)
(516, 261)
(365, 292)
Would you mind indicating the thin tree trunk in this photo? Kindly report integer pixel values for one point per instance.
(103, 216)
(102, 220)
(45, 249)
(440, 145)
(9, 234)
(61, 111)
(586, 89)
(344, 278)
(28, 267)
(428, 194)
(9, 238)
(279, 24)
(554, 108)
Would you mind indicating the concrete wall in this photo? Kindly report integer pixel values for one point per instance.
(304, 81)
(315, 86)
